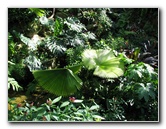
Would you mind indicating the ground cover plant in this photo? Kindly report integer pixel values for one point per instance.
(83, 64)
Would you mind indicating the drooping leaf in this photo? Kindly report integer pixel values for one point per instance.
(60, 81)
(12, 82)
(104, 62)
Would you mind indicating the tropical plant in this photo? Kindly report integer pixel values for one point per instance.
(55, 110)
(97, 51)
(104, 62)
(140, 91)
(11, 81)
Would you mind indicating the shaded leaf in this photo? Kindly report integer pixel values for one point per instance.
(60, 81)
(94, 107)
(143, 92)
(76, 68)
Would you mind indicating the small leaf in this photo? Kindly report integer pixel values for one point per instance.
(64, 104)
(44, 20)
(139, 73)
(78, 114)
(98, 117)
(143, 92)
(56, 99)
(47, 117)
(94, 107)
(77, 118)
(55, 117)
(77, 101)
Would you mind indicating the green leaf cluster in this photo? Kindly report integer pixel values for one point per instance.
(143, 80)
(55, 110)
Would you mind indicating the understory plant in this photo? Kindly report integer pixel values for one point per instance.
(139, 89)
(56, 110)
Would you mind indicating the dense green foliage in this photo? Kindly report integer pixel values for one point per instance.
(53, 110)
(107, 58)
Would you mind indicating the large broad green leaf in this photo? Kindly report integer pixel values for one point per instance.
(104, 62)
(60, 81)
(88, 58)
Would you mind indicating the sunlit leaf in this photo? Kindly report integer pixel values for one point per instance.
(44, 20)
(56, 99)
(47, 117)
(39, 12)
(98, 117)
(64, 104)
(88, 57)
(77, 101)
(12, 82)
(104, 63)
(58, 27)
(74, 24)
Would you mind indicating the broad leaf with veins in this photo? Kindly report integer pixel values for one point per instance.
(104, 63)
(64, 81)
(60, 81)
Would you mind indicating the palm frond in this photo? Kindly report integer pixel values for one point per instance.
(76, 68)
(61, 81)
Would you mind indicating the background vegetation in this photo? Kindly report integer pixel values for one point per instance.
(46, 38)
